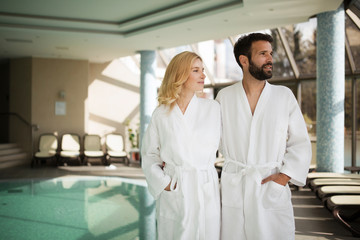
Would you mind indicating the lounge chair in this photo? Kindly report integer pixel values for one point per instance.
(115, 148)
(48, 145)
(319, 182)
(92, 148)
(70, 148)
(318, 175)
(345, 209)
(327, 191)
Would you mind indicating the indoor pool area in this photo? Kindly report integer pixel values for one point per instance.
(111, 203)
(81, 207)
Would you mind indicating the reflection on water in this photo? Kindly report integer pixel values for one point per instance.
(76, 208)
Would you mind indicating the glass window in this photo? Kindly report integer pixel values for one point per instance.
(233, 70)
(281, 64)
(347, 65)
(348, 106)
(308, 105)
(169, 53)
(302, 41)
(226, 68)
(348, 122)
(358, 109)
(353, 35)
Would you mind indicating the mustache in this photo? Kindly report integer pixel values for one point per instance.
(267, 64)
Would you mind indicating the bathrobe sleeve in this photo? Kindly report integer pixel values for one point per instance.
(297, 157)
(151, 162)
(220, 148)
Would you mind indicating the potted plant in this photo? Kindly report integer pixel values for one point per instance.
(133, 136)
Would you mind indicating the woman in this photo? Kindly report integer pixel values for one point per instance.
(179, 151)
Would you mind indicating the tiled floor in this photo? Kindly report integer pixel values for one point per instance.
(313, 221)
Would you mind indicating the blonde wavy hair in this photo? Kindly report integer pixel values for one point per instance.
(177, 73)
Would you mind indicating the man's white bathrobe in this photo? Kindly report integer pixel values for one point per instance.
(273, 139)
(187, 143)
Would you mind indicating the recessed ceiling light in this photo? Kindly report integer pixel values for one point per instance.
(62, 48)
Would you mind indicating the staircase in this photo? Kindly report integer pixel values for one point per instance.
(11, 155)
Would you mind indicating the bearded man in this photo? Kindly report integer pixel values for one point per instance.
(265, 145)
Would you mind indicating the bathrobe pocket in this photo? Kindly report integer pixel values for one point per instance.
(231, 191)
(170, 204)
(211, 199)
(276, 196)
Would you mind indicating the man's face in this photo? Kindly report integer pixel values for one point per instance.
(260, 64)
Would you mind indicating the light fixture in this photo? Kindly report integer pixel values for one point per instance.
(62, 94)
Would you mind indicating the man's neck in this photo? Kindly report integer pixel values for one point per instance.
(253, 89)
(253, 86)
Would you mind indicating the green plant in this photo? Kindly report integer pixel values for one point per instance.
(133, 135)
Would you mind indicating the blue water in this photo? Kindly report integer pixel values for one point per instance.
(75, 208)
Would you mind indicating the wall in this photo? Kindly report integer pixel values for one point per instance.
(49, 77)
(4, 101)
(20, 103)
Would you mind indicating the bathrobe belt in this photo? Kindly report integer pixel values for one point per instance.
(176, 178)
(252, 171)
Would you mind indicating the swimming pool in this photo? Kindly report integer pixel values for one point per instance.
(76, 208)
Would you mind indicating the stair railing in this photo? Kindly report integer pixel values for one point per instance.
(33, 127)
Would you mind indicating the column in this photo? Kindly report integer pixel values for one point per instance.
(148, 102)
(147, 219)
(148, 89)
(330, 90)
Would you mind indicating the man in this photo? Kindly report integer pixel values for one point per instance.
(265, 145)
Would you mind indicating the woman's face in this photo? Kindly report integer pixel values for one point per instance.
(195, 82)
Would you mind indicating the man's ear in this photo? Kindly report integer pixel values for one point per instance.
(244, 60)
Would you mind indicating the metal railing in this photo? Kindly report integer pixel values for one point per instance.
(31, 127)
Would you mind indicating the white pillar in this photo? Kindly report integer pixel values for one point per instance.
(148, 89)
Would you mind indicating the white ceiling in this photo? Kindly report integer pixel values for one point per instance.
(101, 31)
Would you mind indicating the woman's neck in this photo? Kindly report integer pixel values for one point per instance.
(184, 100)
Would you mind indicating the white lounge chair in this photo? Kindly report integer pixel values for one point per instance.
(70, 148)
(115, 148)
(92, 148)
(318, 175)
(319, 182)
(346, 209)
(48, 145)
(326, 192)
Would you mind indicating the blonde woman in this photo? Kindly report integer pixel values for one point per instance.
(179, 151)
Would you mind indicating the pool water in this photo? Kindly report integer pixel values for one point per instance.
(76, 208)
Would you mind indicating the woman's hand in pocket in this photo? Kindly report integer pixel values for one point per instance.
(168, 187)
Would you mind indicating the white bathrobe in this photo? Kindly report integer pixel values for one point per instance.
(187, 143)
(273, 139)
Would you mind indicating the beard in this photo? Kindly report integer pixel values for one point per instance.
(258, 72)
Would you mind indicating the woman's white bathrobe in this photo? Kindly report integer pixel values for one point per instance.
(187, 143)
(273, 139)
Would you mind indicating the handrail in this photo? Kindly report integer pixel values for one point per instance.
(35, 126)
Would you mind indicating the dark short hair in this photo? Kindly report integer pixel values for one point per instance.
(244, 43)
